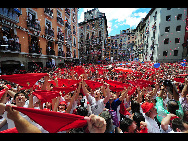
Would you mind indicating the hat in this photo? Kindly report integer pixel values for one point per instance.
(63, 103)
(146, 106)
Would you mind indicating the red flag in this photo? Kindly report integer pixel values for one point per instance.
(53, 121)
(93, 84)
(45, 95)
(26, 80)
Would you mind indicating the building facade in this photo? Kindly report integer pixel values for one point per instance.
(93, 36)
(34, 38)
(121, 46)
(165, 34)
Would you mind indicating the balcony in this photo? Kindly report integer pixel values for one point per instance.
(48, 12)
(49, 32)
(50, 51)
(34, 26)
(35, 50)
(60, 21)
(60, 37)
(11, 47)
(61, 53)
(67, 11)
(10, 14)
(67, 25)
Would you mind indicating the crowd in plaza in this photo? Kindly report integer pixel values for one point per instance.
(121, 97)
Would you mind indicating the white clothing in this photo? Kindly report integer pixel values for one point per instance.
(152, 125)
(96, 106)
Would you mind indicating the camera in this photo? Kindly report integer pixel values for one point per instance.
(82, 101)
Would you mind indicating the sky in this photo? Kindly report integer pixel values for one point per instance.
(118, 18)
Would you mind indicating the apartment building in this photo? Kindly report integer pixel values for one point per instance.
(121, 45)
(34, 38)
(93, 36)
(165, 34)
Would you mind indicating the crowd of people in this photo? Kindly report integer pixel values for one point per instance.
(121, 97)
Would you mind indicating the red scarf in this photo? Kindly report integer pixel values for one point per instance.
(53, 121)
(64, 89)
(93, 84)
(2, 93)
(67, 82)
(26, 80)
(45, 95)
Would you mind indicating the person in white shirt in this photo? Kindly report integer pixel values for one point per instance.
(20, 101)
(97, 104)
(149, 113)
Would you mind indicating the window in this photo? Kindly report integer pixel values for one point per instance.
(168, 18)
(166, 41)
(177, 40)
(179, 17)
(167, 29)
(175, 52)
(178, 28)
(165, 53)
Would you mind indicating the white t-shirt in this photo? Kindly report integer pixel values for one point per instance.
(96, 106)
(152, 125)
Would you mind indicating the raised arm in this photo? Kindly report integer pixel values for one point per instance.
(22, 125)
(124, 93)
(108, 94)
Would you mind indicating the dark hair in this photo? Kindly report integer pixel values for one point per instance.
(109, 123)
(135, 106)
(138, 117)
(172, 106)
(82, 111)
(125, 123)
(20, 92)
(177, 123)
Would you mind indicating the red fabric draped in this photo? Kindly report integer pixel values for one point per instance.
(67, 82)
(93, 84)
(64, 89)
(26, 80)
(45, 95)
(53, 121)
